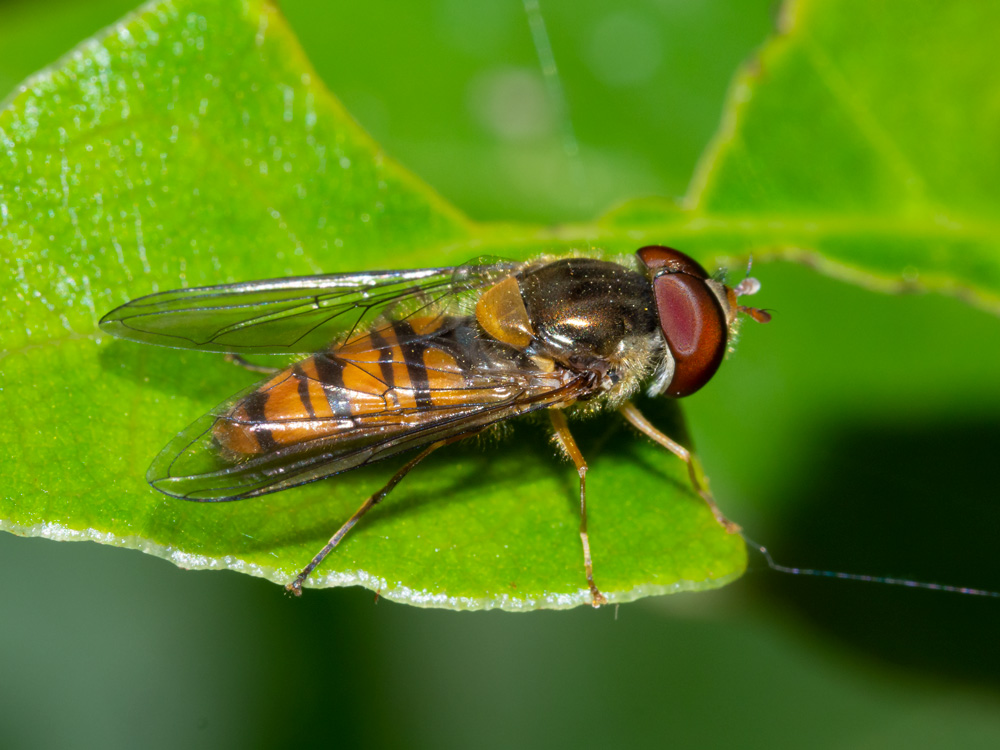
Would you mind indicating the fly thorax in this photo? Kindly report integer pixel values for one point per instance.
(586, 314)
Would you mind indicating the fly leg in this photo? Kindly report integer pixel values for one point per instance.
(296, 586)
(637, 420)
(568, 444)
(236, 359)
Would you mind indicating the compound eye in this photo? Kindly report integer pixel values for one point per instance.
(694, 326)
(660, 259)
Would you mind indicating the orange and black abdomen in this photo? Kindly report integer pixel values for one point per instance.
(388, 380)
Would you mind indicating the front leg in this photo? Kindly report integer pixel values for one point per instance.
(637, 420)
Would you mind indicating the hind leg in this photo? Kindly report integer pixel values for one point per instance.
(237, 360)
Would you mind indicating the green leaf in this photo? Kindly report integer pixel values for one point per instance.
(862, 141)
(191, 144)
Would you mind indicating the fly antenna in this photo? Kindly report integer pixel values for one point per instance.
(886, 581)
(748, 286)
(557, 96)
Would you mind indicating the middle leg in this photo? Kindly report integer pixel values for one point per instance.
(565, 439)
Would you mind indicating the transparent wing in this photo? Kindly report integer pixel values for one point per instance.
(193, 467)
(295, 315)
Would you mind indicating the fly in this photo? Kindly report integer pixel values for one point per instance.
(414, 360)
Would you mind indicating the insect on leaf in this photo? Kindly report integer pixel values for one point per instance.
(191, 145)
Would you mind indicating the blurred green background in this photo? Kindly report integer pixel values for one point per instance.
(856, 432)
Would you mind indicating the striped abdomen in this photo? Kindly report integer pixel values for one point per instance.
(389, 380)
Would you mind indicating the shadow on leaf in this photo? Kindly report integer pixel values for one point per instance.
(904, 501)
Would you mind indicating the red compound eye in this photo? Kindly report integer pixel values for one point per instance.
(660, 259)
(691, 317)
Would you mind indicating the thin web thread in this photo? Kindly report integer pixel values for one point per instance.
(867, 579)
(557, 95)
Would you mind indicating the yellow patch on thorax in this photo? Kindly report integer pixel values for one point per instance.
(502, 314)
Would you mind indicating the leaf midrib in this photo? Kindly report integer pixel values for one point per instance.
(832, 223)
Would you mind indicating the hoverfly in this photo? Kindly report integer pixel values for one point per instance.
(418, 359)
